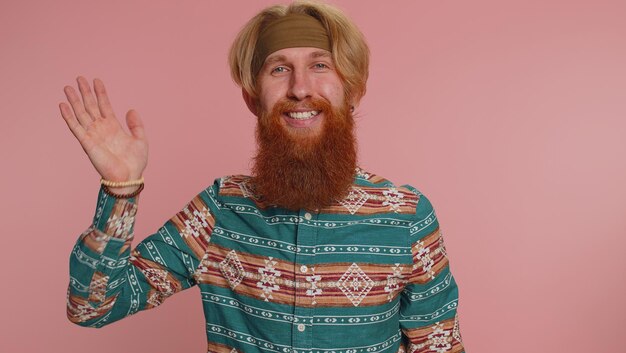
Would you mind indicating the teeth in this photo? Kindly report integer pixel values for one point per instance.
(303, 115)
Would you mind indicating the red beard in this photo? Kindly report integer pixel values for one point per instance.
(309, 172)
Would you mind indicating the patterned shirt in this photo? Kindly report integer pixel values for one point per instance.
(367, 274)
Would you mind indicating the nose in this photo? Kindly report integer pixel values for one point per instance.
(300, 85)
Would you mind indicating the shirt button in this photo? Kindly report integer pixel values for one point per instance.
(307, 216)
(303, 268)
(301, 327)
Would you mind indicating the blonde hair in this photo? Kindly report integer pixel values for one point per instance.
(349, 50)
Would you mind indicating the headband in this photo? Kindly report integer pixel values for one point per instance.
(290, 31)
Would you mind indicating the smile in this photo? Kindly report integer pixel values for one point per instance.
(303, 115)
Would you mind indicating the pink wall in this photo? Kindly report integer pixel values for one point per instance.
(509, 115)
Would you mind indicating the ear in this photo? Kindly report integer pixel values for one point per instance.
(250, 102)
(354, 103)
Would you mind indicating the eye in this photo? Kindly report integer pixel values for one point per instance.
(320, 66)
(279, 70)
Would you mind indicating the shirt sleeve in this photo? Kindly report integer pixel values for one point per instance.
(428, 306)
(109, 281)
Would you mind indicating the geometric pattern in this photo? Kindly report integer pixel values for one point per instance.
(247, 189)
(313, 279)
(194, 225)
(393, 281)
(323, 285)
(354, 200)
(456, 333)
(158, 278)
(362, 200)
(423, 256)
(439, 339)
(355, 284)
(120, 226)
(231, 269)
(370, 262)
(428, 257)
(393, 199)
(97, 287)
(360, 173)
(435, 338)
(442, 246)
(268, 279)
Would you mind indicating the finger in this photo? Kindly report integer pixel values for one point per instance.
(88, 99)
(77, 130)
(77, 105)
(135, 125)
(106, 110)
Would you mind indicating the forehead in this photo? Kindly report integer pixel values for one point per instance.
(299, 53)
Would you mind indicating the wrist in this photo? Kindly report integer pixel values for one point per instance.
(122, 184)
(123, 189)
(123, 192)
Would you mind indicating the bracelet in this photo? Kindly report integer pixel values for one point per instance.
(121, 184)
(122, 196)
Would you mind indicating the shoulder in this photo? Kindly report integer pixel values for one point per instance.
(424, 207)
(421, 205)
(235, 185)
(238, 189)
(383, 194)
(425, 221)
(367, 178)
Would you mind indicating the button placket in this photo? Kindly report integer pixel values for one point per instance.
(305, 240)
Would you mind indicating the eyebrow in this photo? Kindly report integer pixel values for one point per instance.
(320, 54)
(272, 59)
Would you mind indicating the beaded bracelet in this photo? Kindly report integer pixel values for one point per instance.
(123, 196)
(121, 184)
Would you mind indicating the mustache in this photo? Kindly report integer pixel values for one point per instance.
(286, 105)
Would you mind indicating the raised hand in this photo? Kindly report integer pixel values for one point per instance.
(116, 155)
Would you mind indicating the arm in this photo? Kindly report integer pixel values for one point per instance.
(108, 281)
(428, 310)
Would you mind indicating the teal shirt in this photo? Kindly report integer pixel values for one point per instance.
(366, 274)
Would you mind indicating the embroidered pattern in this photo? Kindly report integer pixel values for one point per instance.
(355, 199)
(120, 226)
(268, 279)
(197, 223)
(97, 287)
(313, 289)
(231, 269)
(355, 284)
(439, 339)
(372, 261)
(423, 256)
(456, 333)
(362, 200)
(393, 199)
(394, 281)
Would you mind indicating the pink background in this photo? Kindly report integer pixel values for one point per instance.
(509, 115)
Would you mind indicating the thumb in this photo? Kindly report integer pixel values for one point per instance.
(134, 124)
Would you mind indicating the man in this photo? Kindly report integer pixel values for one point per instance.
(310, 253)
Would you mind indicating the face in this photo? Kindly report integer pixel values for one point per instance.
(299, 76)
(306, 152)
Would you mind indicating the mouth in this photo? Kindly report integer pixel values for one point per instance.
(303, 115)
(299, 119)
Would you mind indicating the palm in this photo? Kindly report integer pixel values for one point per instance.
(115, 154)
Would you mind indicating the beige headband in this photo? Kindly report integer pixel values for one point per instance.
(290, 31)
